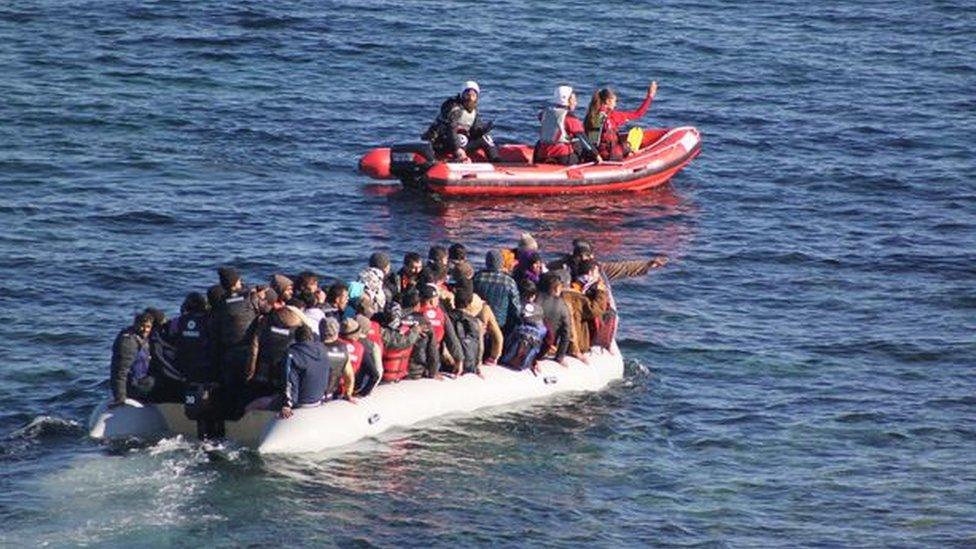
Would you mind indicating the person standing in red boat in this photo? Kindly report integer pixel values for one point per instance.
(603, 122)
(458, 130)
(562, 137)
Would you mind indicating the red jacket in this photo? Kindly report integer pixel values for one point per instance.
(573, 127)
(610, 145)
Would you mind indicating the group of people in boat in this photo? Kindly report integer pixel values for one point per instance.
(296, 343)
(459, 131)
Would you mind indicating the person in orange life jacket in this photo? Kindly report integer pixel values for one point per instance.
(406, 278)
(458, 130)
(425, 355)
(555, 314)
(349, 335)
(273, 333)
(445, 336)
(562, 137)
(307, 370)
(130, 362)
(603, 121)
(399, 337)
(371, 369)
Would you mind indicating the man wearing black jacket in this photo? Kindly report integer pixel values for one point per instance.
(458, 130)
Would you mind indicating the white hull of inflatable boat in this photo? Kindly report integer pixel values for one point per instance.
(339, 423)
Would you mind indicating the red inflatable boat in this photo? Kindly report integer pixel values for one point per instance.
(663, 153)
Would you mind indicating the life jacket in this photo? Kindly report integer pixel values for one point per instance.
(396, 362)
(597, 133)
(337, 355)
(469, 330)
(523, 346)
(190, 336)
(356, 352)
(273, 343)
(553, 128)
(375, 334)
(235, 318)
(435, 315)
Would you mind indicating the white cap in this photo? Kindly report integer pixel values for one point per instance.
(471, 85)
(561, 96)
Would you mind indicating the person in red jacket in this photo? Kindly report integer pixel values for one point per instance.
(562, 137)
(603, 122)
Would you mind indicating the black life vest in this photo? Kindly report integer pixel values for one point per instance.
(236, 314)
(337, 356)
(191, 339)
(273, 343)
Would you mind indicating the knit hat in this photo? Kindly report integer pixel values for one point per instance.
(280, 282)
(329, 328)
(228, 277)
(350, 327)
(561, 95)
(527, 242)
(493, 260)
(471, 85)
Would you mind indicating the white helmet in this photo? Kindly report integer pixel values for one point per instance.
(471, 85)
(561, 95)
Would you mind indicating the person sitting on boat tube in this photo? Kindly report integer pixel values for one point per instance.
(308, 367)
(130, 362)
(458, 130)
(603, 121)
(562, 137)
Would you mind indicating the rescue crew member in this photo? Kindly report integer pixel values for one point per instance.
(562, 137)
(458, 130)
(130, 361)
(233, 318)
(603, 121)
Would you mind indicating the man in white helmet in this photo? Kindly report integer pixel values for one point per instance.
(458, 131)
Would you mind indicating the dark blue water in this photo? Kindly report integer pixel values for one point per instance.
(802, 372)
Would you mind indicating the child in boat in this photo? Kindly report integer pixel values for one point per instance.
(603, 121)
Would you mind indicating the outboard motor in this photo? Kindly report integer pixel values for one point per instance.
(410, 161)
(200, 404)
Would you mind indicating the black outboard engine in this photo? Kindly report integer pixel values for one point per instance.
(200, 404)
(404, 163)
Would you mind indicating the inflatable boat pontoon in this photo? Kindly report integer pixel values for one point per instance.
(663, 153)
(338, 423)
